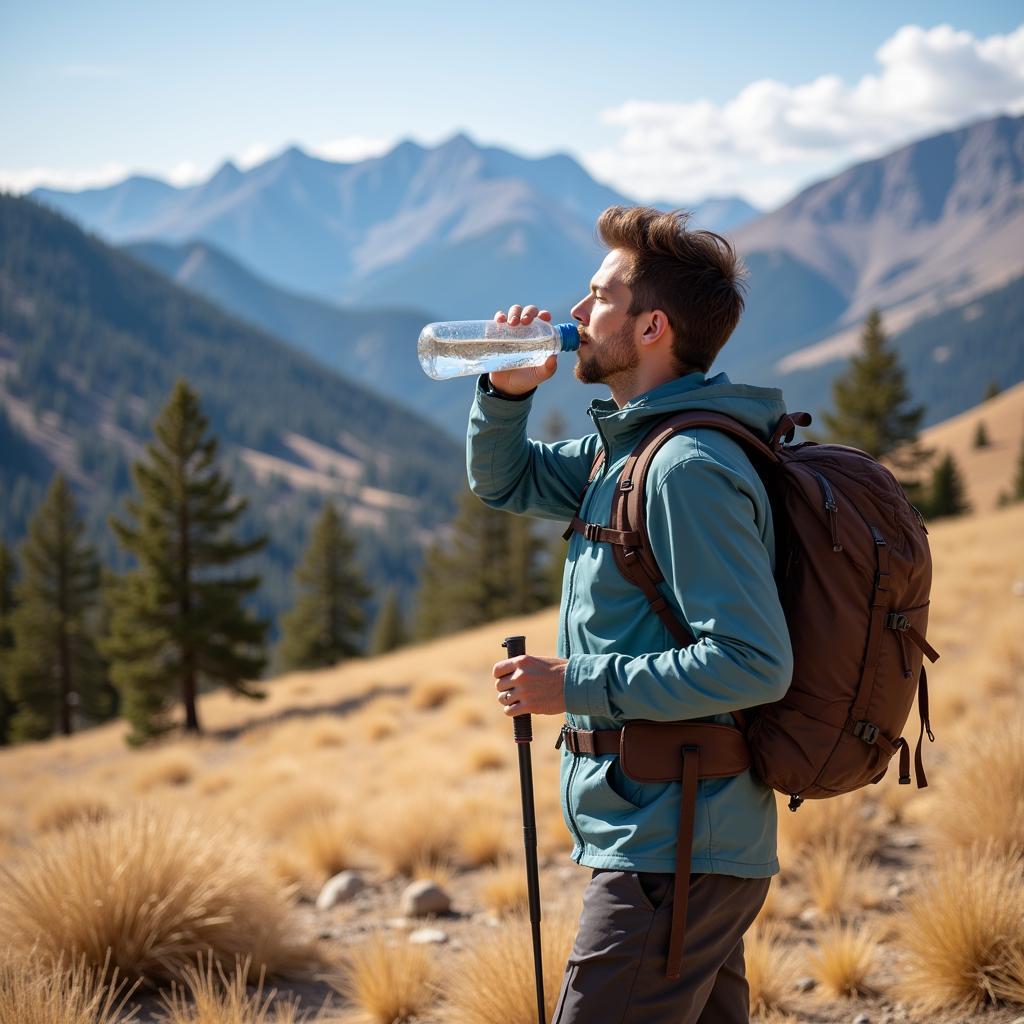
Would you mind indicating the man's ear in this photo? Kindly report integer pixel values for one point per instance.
(656, 328)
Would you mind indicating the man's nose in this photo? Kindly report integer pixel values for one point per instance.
(581, 311)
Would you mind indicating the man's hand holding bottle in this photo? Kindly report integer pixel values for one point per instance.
(518, 382)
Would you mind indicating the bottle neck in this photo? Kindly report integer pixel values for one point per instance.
(569, 335)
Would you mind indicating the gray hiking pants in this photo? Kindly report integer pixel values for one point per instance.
(616, 970)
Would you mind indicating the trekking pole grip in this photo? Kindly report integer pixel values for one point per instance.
(522, 725)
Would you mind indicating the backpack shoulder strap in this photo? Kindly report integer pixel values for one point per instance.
(637, 562)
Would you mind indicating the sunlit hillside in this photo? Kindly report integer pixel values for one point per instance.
(988, 471)
(894, 902)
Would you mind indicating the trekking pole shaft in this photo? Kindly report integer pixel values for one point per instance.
(523, 730)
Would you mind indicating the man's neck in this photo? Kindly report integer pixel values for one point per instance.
(625, 387)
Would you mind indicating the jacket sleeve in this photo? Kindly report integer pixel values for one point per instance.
(508, 471)
(703, 523)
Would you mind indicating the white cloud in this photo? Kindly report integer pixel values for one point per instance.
(351, 148)
(92, 177)
(772, 138)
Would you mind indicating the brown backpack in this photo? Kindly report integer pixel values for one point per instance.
(853, 571)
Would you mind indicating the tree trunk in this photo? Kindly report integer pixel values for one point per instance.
(188, 698)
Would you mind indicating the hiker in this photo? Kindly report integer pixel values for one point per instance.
(660, 307)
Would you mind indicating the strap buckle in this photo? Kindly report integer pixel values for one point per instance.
(866, 731)
(896, 620)
(591, 531)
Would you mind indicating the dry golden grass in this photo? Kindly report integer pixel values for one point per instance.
(379, 727)
(283, 809)
(389, 979)
(31, 993)
(962, 931)
(215, 783)
(843, 959)
(839, 822)
(411, 829)
(156, 888)
(835, 878)
(770, 968)
(487, 757)
(980, 795)
(68, 806)
(327, 731)
(439, 869)
(503, 888)
(206, 996)
(435, 693)
(494, 979)
(326, 843)
(483, 840)
(170, 767)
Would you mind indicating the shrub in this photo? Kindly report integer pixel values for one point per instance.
(389, 979)
(156, 889)
(962, 932)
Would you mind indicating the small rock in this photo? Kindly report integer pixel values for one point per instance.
(425, 897)
(1018, 591)
(862, 1018)
(894, 892)
(339, 889)
(427, 936)
(809, 914)
(399, 923)
(904, 841)
(805, 984)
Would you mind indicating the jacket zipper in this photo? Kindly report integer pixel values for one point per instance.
(577, 835)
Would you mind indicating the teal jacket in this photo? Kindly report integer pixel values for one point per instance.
(710, 525)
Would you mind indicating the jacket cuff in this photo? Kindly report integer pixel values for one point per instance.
(584, 686)
(485, 387)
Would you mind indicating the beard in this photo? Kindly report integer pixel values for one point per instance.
(600, 363)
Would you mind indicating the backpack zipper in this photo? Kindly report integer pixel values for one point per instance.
(831, 509)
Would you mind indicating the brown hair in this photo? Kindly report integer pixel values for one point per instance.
(694, 276)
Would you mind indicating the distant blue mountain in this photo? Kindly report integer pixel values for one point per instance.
(716, 213)
(396, 229)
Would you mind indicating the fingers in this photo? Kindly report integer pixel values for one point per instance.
(505, 668)
(521, 315)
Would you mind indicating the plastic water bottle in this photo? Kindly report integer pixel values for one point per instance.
(458, 348)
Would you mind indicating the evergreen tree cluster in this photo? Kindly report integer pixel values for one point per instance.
(81, 644)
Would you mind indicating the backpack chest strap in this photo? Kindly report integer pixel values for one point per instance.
(605, 535)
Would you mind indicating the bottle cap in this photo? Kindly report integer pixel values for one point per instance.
(570, 336)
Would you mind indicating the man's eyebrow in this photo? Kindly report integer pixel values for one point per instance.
(597, 287)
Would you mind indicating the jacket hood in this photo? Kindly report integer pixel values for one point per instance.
(756, 408)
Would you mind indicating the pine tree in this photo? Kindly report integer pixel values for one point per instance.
(8, 576)
(328, 622)
(55, 667)
(872, 410)
(388, 630)
(491, 567)
(431, 598)
(981, 439)
(175, 624)
(948, 496)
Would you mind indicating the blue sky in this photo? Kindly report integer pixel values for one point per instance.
(667, 100)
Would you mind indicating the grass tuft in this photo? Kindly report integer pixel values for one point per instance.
(32, 993)
(503, 889)
(65, 807)
(962, 931)
(770, 969)
(389, 979)
(844, 959)
(171, 767)
(156, 888)
(494, 981)
(208, 997)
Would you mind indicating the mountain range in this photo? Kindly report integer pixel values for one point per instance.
(91, 342)
(460, 230)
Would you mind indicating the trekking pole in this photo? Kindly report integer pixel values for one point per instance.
(523, 729)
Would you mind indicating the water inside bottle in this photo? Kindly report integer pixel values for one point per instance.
(461, 358)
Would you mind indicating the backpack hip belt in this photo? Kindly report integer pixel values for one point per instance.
(681, 752)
